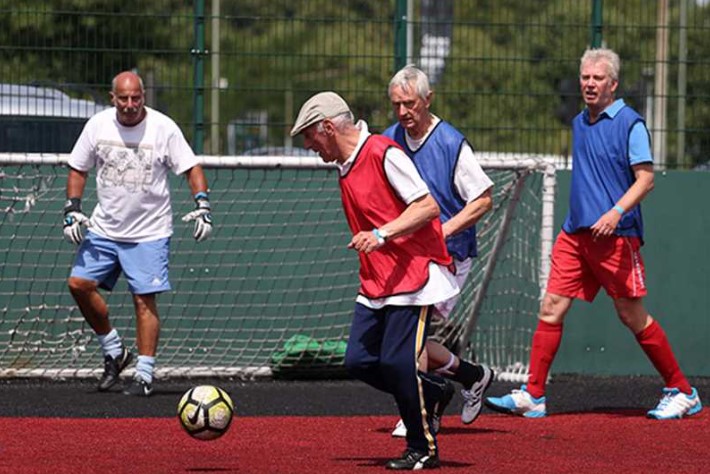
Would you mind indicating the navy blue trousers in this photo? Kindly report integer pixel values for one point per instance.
(383, 350)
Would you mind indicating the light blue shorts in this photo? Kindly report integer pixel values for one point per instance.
(145, 264)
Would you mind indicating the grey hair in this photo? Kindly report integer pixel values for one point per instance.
(608, 56)
(340, 122)
(410, 75)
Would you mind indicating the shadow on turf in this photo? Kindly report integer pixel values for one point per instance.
(448, 430)
(211, 469)
(614, 411)
(157, 392)
(380, 462)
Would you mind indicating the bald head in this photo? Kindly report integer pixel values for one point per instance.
(127, 79)
(128, 96)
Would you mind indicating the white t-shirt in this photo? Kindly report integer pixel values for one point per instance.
(132, 165)
(409, 186)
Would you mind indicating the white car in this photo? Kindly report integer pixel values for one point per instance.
(37, 119)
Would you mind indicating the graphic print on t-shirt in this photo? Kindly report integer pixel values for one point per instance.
(126, 166)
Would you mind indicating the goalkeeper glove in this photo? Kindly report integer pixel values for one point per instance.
(202, 216)
(73, 220)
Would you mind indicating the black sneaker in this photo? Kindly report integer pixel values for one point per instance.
(413, 461)
(112, 369)
(441, 405)
(139, 388)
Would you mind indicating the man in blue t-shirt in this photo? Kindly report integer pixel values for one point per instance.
(599, 245)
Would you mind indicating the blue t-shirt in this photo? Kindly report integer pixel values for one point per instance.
(603, 154)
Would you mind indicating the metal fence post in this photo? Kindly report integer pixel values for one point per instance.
(400, 34)
(597, 24)
(198, 52)
(215, 147)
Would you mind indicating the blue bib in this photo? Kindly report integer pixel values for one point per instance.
(436, 162)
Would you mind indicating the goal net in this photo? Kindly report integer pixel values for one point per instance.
(273, 289)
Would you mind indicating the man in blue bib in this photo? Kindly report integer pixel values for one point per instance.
(599, 245)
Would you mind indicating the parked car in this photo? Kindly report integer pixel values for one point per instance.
(279, 151)
(41, 119)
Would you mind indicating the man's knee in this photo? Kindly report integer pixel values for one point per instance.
(553, 308)
(355, 364)
(79, 286)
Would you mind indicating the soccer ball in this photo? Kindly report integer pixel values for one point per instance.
(205, 412)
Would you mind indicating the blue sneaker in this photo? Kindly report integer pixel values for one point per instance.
(675, 404)
(518, 402)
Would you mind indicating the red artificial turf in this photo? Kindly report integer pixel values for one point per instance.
(570, 443)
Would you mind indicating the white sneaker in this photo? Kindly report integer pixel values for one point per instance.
(400, 431)
(518, 402)
(473, 398)
(675, 405)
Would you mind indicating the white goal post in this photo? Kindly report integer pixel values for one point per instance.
(275, 282)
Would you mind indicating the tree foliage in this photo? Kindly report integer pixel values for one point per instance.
(509, 80)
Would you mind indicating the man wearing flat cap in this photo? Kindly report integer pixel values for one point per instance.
(404, 265)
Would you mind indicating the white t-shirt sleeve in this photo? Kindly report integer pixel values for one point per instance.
(469, 178)
(181, 156)
(403, 176)
(82, 156)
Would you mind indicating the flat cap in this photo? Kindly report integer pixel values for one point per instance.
(321, 106)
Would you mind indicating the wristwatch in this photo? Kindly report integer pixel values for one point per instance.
(381, 235)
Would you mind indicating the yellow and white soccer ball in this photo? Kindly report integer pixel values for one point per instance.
(205, 412)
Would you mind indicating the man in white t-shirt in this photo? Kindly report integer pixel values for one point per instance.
(404, 265)
(446, 162)
(133, 148)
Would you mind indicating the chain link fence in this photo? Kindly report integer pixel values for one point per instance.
(234, 73)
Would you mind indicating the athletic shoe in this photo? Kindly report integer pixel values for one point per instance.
(473, 397)
(518, 402)
(139, 388)
(400, 431)
(441, 405)
(113, 367)
(413, 461)
(675, 405)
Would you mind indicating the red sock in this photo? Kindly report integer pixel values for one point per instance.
(545, 343)
(654, 342)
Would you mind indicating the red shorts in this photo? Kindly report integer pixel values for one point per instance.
(581, 265)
